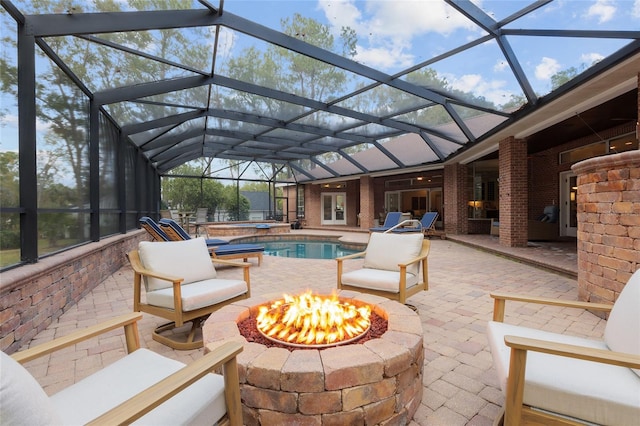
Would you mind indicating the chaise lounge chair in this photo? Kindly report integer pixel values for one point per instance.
(427, 225)
(392, 219)
(175, 232)
(152, 228)
(220, 249)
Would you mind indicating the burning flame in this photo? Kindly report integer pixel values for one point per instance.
(312, 320)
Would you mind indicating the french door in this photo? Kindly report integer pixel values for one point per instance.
(334, 208)
(568, 204)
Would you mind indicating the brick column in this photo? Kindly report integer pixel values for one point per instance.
(513, 192)
(608, 224)
(367, 205)
(456, 198)
(312, 204)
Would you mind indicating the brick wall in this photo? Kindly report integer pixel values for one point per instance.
(455, 199)
(312, 204)
(545, 168)
(353, 201)
(32, 296)
(513, 192)
(608, 224)
(367, 210)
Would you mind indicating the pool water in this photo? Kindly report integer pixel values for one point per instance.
(305, 249)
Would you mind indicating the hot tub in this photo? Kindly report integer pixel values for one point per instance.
(230, 229)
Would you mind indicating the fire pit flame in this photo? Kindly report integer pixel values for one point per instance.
(310, 320)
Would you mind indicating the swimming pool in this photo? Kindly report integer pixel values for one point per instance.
(306, 249)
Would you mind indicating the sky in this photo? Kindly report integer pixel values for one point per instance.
(394, 35)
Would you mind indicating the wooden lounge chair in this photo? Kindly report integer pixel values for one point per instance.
(153, 229)
(142, 385)
(220, 249)
(553, 378)
(395, 266)
(392, 219)
(181, 285)
(239, 251)
(175, 232)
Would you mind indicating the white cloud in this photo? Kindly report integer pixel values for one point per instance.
(591, 58)
(226, 41)
(384, 58)
(493, 90)
(387, 29)
(546, 68)
(11, 121)
(603, 10)
(501, 65)
(635, 10)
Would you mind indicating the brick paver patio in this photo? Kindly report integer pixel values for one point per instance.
(460, 387)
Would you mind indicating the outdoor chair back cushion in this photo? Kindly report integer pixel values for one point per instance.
(22, 399)
(24, 402)
(187, 259)
(386, 251)
(190, 260)
(622, 332)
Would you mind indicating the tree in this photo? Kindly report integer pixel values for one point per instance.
(190, 193)
(9, 197)
(236, 206)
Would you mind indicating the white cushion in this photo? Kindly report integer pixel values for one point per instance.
(585, 390)
(187, 259)
(622, 332)
(200, 294)
(201, 403)
(377, 279)
(22, 399)
(386, 251)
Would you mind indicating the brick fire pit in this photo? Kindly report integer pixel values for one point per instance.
(373, 382)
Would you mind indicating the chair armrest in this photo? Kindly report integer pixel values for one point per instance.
(245, 270)
(150, 398)
(501, 298)
(573, 351)
(517, 367)
(230, 262)
(128, 321)
(351, 256)
(414, 260)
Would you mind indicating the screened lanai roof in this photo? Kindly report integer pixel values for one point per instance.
(323, 89)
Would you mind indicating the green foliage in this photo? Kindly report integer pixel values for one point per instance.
(561, 77)
(9, 179)
(236, 205)
(191, 193)
(255, 186)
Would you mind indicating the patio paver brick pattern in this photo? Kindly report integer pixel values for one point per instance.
(460, 386)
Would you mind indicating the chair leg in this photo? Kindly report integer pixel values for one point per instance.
(499, 420)
(165, 334)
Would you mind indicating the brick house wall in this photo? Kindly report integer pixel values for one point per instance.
(513, 192)
(33, 296)
(367, 194)
(312, 204)
(455, 199)
(608, 224)
(545, 168)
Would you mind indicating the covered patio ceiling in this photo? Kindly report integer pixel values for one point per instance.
(301, 104)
